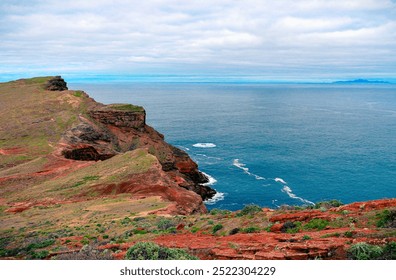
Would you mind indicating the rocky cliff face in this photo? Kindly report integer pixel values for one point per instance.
(109, 130)
(70, 132)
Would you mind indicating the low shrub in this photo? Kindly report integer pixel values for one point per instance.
(306, 237)
(251, 230)
(234, 231)
(318, 224)
(216, 211)
(328, 204)
(387, 219)
(87, 252)
(364, 251)
(291, 227)
(39, 255)
(389, 252)
(250, 210)
(194, 229)
(152, 251)
(216, 228)
(165, 224)
(40, 245)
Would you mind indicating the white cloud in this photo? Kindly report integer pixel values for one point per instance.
(284, 37)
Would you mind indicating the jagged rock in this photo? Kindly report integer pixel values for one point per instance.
(56, 83)
(117, 128)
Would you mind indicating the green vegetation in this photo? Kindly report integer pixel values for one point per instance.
(152, 251)
(318, 224)
(216, 211)
(387, 219)
(126, 107)
(216, 228)
(85, 180)
(250, 209)
(39, 245)
(251, 229)
(165, 224)
(364, 251)
(291, 227)
(328, 204)
(306, 237)
(39, 255)
(78, 93)
(38, 80)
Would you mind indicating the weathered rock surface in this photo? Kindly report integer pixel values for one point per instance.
(113, 129)
(71, 129)
(330, 243)
(56, 83)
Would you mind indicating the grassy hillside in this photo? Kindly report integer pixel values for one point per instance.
(33, 119)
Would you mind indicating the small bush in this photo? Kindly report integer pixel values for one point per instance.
(126, 221)
(152, 251)
(78, 93)
(139, 231)
(216, 228)
(88, 252)
(39, 255)
(40, 245)
(234, 231)
(250, 210)
(165, 224)
(387, 219)
(364, 251)
(306, 237)
(318, 224)
(291, 227)
(251, 230)
(216, 211)
(328, 204)
(194, 229)
(389, 252)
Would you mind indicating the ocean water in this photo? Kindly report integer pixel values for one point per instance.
(274, 144)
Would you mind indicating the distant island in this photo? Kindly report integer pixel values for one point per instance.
(361, 81)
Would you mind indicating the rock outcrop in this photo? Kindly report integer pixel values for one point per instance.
(56, 83)
(75, 130)
(113, 129)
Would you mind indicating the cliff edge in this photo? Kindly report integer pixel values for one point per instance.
(61, 146)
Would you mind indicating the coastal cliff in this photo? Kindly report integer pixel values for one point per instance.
(84, 180)
(77, 136)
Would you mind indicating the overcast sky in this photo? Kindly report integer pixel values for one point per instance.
(272, 40)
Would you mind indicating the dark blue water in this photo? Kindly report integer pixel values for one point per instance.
(275, 144)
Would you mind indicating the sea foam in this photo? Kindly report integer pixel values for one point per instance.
(289, 192)
(217, 197)
(211, 181)
(242, 166)
(280, 180)
(204, 145)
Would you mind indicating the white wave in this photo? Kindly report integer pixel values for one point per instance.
(204, 145)
(216, 198)
(280, 180)
(241, 165)
(289, 192)
(212, 180)
(209, 157)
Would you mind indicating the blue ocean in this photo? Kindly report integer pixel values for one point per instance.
(274, 144)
